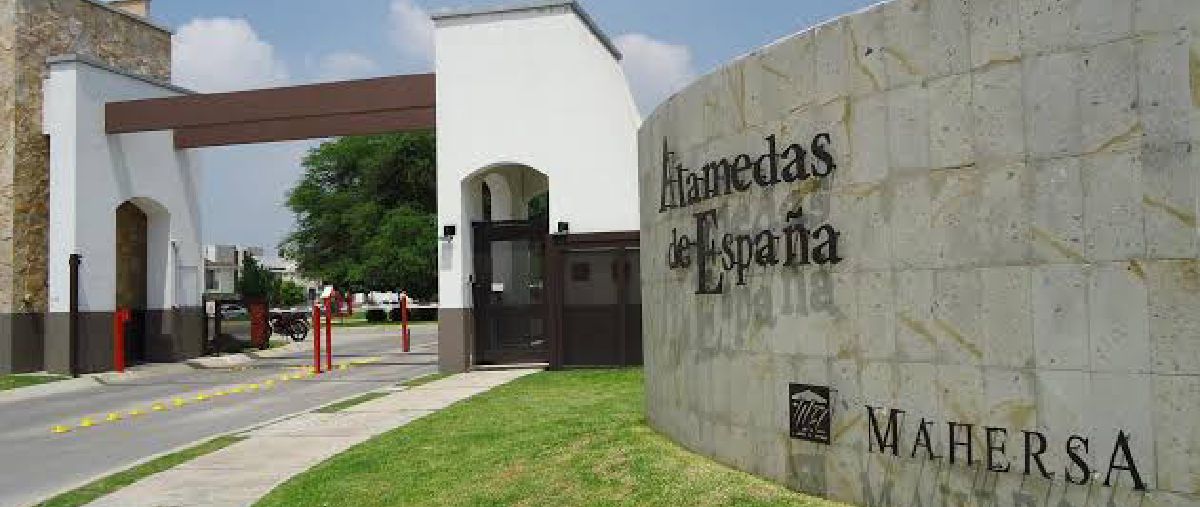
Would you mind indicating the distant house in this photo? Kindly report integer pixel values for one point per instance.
(223, 268)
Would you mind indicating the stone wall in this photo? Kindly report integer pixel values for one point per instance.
(1003, 235)
(30, 32)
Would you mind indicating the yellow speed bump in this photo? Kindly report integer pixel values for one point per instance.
(236, 390)
(86, 422)
(252, 387)
(297, 376)
(284, 378)
(60, 429)
(113, 417)
(136, 412)
(268, 384)
(220, 393)
(158, 407)
(179, 402)
(343, 367)
(202, 397)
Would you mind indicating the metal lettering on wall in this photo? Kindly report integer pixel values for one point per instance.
(809, 416)
(795, 244)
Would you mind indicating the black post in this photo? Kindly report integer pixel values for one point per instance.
(73, 318)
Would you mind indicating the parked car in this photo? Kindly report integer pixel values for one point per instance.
(233, 311)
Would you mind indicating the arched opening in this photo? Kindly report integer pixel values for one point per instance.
(509, 224)
(132, 241)
(143, 282)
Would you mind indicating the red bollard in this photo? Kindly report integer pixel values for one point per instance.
(404, 320)
(120, 317)
(317, 337)
(328, 337)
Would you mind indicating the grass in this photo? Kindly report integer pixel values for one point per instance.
(424, 379)
(345, 404)
(16, 381)
(550, 439)
(86, 494)
(360, 320)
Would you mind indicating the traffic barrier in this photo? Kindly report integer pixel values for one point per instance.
(407, 338)
(328, 336)
(316, 337)
(120, 318)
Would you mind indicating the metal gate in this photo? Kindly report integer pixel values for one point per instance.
(508, 293)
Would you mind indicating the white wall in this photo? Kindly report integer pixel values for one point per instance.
(534, 88)
(92, 173)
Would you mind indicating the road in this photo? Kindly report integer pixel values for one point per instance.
(36, 463)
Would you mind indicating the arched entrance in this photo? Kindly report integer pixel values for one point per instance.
(132, 275)
(509, 244)
(141, 241)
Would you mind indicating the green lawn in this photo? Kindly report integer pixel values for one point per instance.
(86, 494)
(550, 439)
(14, 381)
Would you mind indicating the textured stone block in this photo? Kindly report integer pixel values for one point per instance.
(876, 310)
(958, 316)
(914, 244)
(1008, 317)
(832, 61)
(907, 41)
(954, 222)
(867, 38)
(1118, 324)
(1101, 21)
(1062, 404)
(1060, 317)
(1114, 228)
(995, 31)
(950, 139)
(908, 127)
(1053, 125)
(997, 123)
(1165, 94)
(1005, 214)
(1177, 436)
(949, 39)
(1174, 322)
(1170, 200)
(1057, 228)
(1046, 26)
(915, 340)
(868, 129)
(1108, 97)
(779, 81)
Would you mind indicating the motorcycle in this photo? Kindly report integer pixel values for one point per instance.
(291, 324)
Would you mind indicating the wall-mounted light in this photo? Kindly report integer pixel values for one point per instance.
(564, 228)
(448, 232)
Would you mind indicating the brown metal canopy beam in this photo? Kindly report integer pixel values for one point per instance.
(369, 106)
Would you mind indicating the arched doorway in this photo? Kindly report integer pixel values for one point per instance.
(509, 226)
(132, 269)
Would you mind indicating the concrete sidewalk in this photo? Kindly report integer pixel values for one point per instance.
(241, 474)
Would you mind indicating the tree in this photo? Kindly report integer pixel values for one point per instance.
(287, 293)
(256, 281)
(366, 214)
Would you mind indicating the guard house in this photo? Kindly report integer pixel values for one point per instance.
(537, 184)
(537, 177)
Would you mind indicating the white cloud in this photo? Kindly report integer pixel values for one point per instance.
(412, 31)
(346, 65)
(655, 69)
(223, 54)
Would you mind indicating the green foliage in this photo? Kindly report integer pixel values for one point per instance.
(287, 293)
(365, 212)
(256, 282)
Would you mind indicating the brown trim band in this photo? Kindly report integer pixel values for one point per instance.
(369, 106)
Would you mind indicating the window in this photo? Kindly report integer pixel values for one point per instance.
(210, 279)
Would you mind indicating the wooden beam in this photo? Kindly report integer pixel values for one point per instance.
(368, 106)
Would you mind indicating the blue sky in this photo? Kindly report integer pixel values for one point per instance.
(225, 45)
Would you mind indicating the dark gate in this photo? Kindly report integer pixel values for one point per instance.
(509, 293)
(596, 304)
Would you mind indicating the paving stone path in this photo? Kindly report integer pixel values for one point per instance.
(242, 473)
